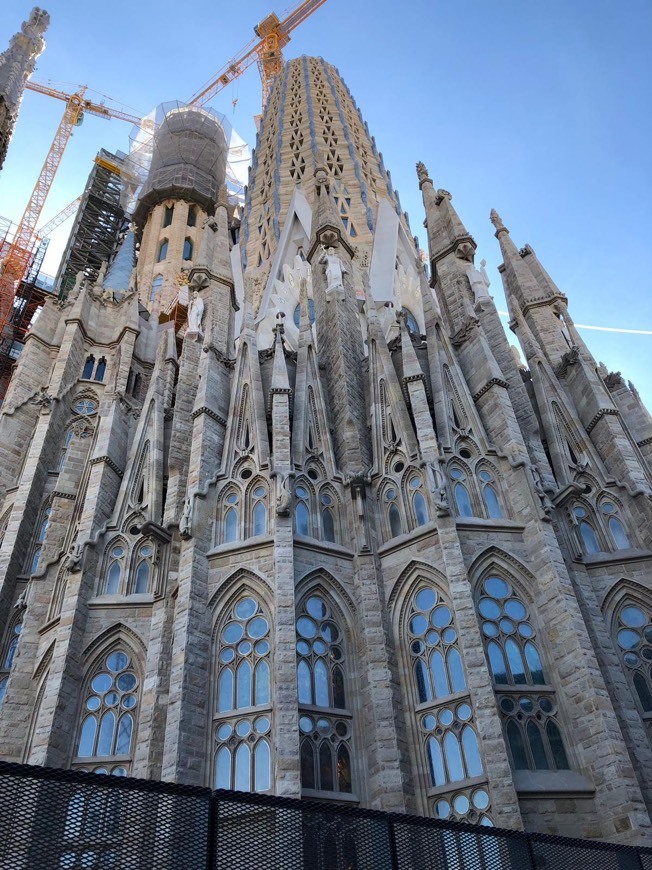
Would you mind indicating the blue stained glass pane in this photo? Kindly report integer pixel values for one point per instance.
(534, 663)
(337, 679)
(588, 538)
(471, 752)
(328, 525)
(260, 519)
(462, 500)
(436, 762)
(305, 682)
(307, 765)
(439, 675)
(515, 740)
(11, 652)
(223, 768)
(453, 757)
(242, 768)
(557, 747)
(107, 730)
(321, 684)
(395, 521)
(225, 691)
(491, 502)
(618, 533)
(230, 526)
(87, 737)
(125, 728)
(142, 577)
(262, 772)
(515, 659)
(35, 559)
(113, 578)
(455, 671)
(497, 662)
(423, 681)
(262, 683)
(243, 685)
(643, 692)
(420, 509)
(301, 519)
(326, 780)
(536, 746)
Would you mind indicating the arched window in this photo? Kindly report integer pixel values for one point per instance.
(109, 717)
(100, 371)
(162, 251)
(143, 569)
(242, 717)
(411, 321)
(40, 537)
(89, 365)
(114, 570)
(187, 249)
(259, 511)
(461, 493)
(157, 285)
(633, 629)
(168, 215)
(586, 531)
(615, 526)
(7, 660)
(64, 449)
(302, 511)
(297, 313)
(489, 496)
(392, 512)
(529, 714)
(327, 505)
(418, 501)
(192, 216)
(324, 720)
(231, 518)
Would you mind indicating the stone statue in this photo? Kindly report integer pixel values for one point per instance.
(185, 521)
(479, 281)
(546, 504)
(438, 488)
(195, 315)
(335, 269)
(284, 495)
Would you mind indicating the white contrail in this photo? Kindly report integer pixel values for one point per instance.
(601, 328)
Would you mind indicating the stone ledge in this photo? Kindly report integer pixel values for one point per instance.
(408, 538)
(322, 546)
(248, 544)
(502, 525)
(552, 783)
(618, 556)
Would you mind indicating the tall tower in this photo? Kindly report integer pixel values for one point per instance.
(302, 523)
(16, 65)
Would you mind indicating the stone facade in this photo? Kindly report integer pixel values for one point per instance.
(302, 522)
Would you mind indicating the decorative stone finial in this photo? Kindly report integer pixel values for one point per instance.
(422, 174)
(496, 221)
(321, 171)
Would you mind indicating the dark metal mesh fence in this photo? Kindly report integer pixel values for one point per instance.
(69, 820)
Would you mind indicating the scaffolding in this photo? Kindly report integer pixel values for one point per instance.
(99, 223)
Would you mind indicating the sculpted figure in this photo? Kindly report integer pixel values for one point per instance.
(185, 521)
(195, 313)
(335, 269)
(479, 280)
(284, 496)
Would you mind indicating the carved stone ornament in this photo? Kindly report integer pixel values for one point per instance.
(185, 520)
(465, 251)
(422, 174)
(43, 399)
(283, 495)
(496, 220)
(569, 359)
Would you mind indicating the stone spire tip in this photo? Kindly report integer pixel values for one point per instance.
(497, 221)
(422, 174)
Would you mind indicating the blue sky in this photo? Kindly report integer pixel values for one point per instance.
(538, 108)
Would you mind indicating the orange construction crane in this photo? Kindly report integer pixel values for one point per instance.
(272, 36)
(17, 260)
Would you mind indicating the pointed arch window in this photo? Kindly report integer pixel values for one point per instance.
(447, 740)
(143, 569)
(526, 702)
(392, 512)
(327, 505)
(461, 493)
(157, 286)
(259, 511)
(586, 531)
(100, 370)
(325, 722)
(40, 538)
(115, 570)
(64, 450)
(633, 640)
(187, 249)
(231, 519)
(7, 660)
(89, 365)
(615, 526)
(302, 511)
(242, 717)
(162, 251)
(489, 495)
(419, 505)
(168, 215)
(109, 716)
(192, 216)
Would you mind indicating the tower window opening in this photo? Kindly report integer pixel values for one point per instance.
(192, 216)
(162, 251)
(167, 215)
(187, 249)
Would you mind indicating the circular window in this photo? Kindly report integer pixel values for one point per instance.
(101, 683)
(117, 661)
(496, 587)
(443, 809)
(426, 599)
(390, 494)
(465, 453)
(312, 474)
(259, 492)
(457, 474)
(86, 407)
(306, 627)
(418, 624)
(628, 639)
(441, 616)
(258, 627)
(301, 492)
(232, 498)
(608, 508)
(246, 473)
(232, 632)
(399, 466)
(633, 617)
(489, 608)
(461, 804)
(242, 728)
(445, 716)
(484, 475)
(305, 724)
(224, 732)
(126, 682)
(480, 799)
(262, 725)
(330, 632)
(245, 608)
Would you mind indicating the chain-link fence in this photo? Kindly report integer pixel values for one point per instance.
(68, 820)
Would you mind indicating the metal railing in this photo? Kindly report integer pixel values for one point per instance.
(70, 820)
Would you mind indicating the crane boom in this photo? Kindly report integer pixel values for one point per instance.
(58, 219)
(273, 35)
(89, 106)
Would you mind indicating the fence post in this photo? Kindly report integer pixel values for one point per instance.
(211, 839)
(392, 844)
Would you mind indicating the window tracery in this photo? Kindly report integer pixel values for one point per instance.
(325, 722)
(109, 716)
(526, 701)
(37, 547)
(600, 530)
(258, 499)
(633, 640)
(242, 716)
(8, 655)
